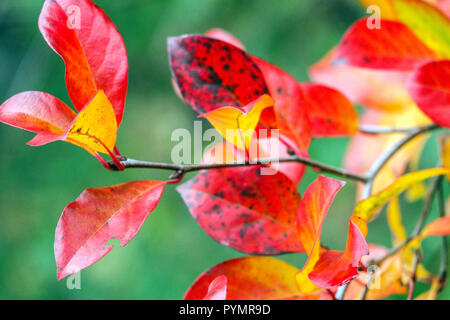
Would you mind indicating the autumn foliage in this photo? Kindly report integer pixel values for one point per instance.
(399, 74)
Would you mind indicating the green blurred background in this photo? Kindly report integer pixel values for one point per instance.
(171, 250)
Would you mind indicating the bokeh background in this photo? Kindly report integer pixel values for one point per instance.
(171, 250)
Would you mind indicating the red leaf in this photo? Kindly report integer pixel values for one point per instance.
(217, 290)
(245, 210)
(393, 46)
(429, 87)
(330, 113)
(97, 216)
(290, 106)
(212, 73)
(37, 112)
(336, 268)
(94, 54)
(379, 89)
(253, 278)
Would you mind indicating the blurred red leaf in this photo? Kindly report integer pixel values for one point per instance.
(212, 73)
(37, 112)
(217, 289)
(330, 113)
(98, 215)
(253, 278)
(378, 89)
(438, 227)
(393, 46)
(93, 51)
(429, 87)
(245, 210)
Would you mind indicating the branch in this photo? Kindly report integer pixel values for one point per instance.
(389, 153)
(369, 129)
(444, 249)
(180, 169)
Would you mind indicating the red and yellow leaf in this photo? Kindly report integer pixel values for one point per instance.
(245, 210)
(212, 73)
(37, 112)
(427, 22)
(310, 217)
(98, 215)
(253, 278)
(93, 51)
(335, 268)
(393, 46)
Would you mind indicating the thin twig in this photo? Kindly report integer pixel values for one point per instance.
(369, 129)
(184, 168)
(427, 206)
(389, 153)
(443, 265)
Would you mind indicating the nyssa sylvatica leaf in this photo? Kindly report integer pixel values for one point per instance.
(37, 112)
(290, 106)
(330, 113)
(377, 89)
(368, 208)
(253, 278)
(245, 209)
(311, 214)
(211, 73)
(335, 268)
(427, 22)
(98, 215)
(92, 49)
(393, 46)
(94, 128)
(429, 87)
(238, 126)
(217, 289)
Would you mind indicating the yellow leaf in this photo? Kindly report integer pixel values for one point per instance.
(427, 22)
(95, 127)
(394, 218)
(445, 152)
(236, 126)
(432, 293)
(368, 208)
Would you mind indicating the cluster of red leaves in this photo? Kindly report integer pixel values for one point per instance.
(238, 207)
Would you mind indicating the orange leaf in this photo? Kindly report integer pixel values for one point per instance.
(330, 113)
(253, 278)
